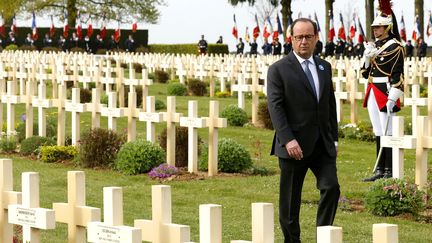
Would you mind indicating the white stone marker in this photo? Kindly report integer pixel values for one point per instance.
(160, 229)
(112, 229)
(214, 122)
(61, 116)
(146, 82)
(354, 95)
(151, 117)
(112, 112)
(11, 99)
(415, 101)
(192, 122)
(95, 107)
(74, 213)
(241, 87)
(42, 103)
(7, 196)
(329, 234)
(339, 95)
(424, 144)
(132, 112)
(171, 118)
(398, 142)
(210, 221)
(262, 224)
(29, 109)
(76, 108)
(385, 233)
(28, 214)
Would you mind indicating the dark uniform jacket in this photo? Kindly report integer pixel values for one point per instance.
(388, 63)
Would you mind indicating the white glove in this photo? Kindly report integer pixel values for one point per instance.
(390, 104)
(370, 50)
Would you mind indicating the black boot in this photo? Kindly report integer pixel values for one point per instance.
(387, 173)
(388, 163)
(379, 173)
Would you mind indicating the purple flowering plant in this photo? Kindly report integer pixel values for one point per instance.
(163, 171)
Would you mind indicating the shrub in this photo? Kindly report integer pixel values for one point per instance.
(101, 51)
(27, 48)
(362, 131)
(390, 197)
(53, 154)
(98, 147)
(232, 157)
(31, 145)
(50, 49)
(197, 87)
(159, 105)
(77, 49)
(11, 47)
(161, 76)
(104, 99)
(264, 115)
(235, 115)
(224, 94)
(142, 49)
(51, 128)
(85, 96)
(176, 89)
(181, 147)
(138, 157)
(8, 144)
(138, 67)
(163, 171)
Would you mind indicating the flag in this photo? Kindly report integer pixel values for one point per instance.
(288, 31)
(353, 28)
(403, 31)
(341, 31)
(332, 33)
(416, 31)
(268, 28)
(317, 23)
(79, 27)
(134, 26)
(361, 35)
(234, 29)
(279, 30)
(52, 29)
(65, 26)
(89, 29)
(2, 27)
(14, 26)
(103, 28)
(256, 30)
(247, 37)
(117, 33)
(34, 28)
(429, 25)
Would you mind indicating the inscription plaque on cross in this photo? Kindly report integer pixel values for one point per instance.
(214, 122)
(74, 213)
(161, 229)
(150, 116)
(112, 229)
(171, 118)
(28, 214)
(76, 108)
(7, 196)
(192, 122)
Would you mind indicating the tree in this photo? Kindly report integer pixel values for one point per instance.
(369, 18)
(8, 8)
(119, 10)
(418, 9)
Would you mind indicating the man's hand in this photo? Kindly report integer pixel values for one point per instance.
(370, 50)
(294, 150)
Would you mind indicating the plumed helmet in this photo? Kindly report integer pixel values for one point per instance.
(382, 20)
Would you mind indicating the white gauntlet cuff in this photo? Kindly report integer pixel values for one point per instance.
(394, 94)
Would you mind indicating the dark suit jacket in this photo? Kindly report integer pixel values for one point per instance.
(294, 109)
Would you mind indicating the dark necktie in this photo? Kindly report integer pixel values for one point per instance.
(309, 75)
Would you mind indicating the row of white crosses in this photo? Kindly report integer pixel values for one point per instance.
(160, 229)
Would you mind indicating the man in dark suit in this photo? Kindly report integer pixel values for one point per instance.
(302, 107)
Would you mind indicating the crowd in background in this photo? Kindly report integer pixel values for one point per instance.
(88, 44)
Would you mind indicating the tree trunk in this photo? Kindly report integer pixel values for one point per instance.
(418, 10)
(72, 12)
(328, 11)
(286, 13)
(370, 16)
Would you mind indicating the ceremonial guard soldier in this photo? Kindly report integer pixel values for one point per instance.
(202, 46)
(383, 67)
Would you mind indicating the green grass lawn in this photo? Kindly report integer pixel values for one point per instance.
(234, 193)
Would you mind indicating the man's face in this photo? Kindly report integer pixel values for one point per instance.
(304, 39)
(378, 31)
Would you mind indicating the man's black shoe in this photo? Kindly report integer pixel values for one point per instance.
(374, 177)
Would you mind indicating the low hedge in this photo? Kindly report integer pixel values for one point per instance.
(187, 48)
